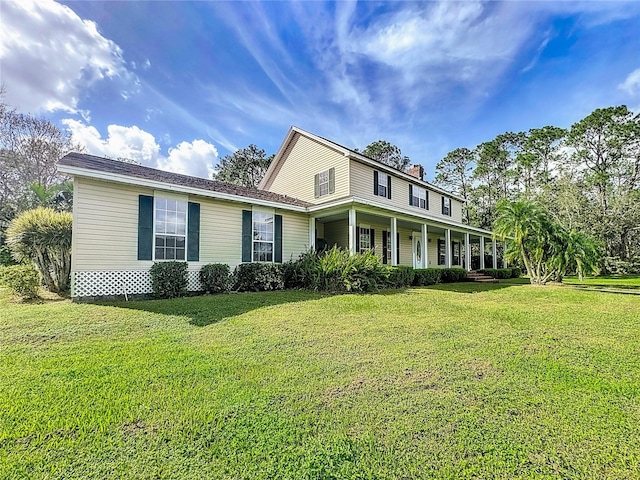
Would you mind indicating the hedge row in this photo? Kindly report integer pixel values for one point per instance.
(502, 273)
(334, 270)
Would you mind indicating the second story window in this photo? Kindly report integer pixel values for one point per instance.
(325, 182)
(446, 206)
(418, 197)
(381, 184)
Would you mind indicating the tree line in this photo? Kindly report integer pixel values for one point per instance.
(586, 178)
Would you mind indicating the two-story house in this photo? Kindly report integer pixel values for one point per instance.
(315, 194)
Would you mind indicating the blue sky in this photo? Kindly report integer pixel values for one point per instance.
(176, 85)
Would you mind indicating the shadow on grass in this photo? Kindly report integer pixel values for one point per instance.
(207, 309)
(477, 287)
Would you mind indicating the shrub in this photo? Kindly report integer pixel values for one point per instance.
(169, 279)
(6, 259)
(22, 280)
(303, 272)
(500, 273)
(258, 277)
(215, 278)
(43, 236)
(341, 271)
(400, 276)
(516, 272)
(450, 275)
(427, 276)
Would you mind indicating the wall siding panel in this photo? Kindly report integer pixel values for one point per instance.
(302, 159)
(361, 185)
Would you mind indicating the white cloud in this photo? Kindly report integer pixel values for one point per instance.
(190, 158)
(49, 56)
(631, 84)
(195, 158)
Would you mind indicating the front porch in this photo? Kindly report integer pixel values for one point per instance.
(401, 240)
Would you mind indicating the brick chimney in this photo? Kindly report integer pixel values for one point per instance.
(416, 171)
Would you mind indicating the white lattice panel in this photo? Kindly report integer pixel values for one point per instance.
(193, 281)
(98, 284)
(131, 282)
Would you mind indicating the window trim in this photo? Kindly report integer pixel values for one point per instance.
(412, 189)
(273, 235)
(179, 198)
(449, 208)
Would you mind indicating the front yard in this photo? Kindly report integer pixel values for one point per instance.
(458, 381)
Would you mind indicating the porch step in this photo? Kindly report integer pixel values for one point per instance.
(476, 276)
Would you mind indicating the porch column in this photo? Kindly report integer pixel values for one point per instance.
(447, 248)
(394, 241)
(481, 252)
(494, 253)
(352, 231)
(504, 254)
(312, 233)
(425, 263)
(467, 252)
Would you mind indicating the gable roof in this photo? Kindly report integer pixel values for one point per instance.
(83, 164)
(347, 152)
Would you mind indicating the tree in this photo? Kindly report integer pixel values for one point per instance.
(540, 151)
(547, 250)
(43, 236)
(245, 167)
(386, 153)
(454, 172)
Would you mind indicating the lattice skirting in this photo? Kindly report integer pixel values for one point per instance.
(121, 282)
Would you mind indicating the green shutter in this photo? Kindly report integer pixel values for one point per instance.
(145, 227)
(397, 249)
(316, 180)
(193, 233)
(332, 180)
(410, 194)
(388, 186)
(277, 237)
(372, 238)
(357, 239)
(375, 182)
(247, 233)
(384, 247)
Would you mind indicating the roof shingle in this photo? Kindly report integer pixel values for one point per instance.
(91, 162)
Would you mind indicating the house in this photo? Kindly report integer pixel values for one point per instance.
(315, 193)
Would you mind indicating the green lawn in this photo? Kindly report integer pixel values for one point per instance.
(458, 381)
(607, 281)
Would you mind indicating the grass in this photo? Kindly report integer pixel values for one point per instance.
(616, 282)
(461, 381)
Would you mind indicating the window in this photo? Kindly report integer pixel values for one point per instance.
(442, 253)
(456, 253)
(262, 237)
(381, 184)
(364, 239)
(170, 228)
(388, 252)
(325, 182)
(446, 206)
(418, 197)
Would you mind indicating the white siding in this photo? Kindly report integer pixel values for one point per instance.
(298, 166)
(105, 226)
(337, 233)
(361, 182)
(106, 229)
(295, 234)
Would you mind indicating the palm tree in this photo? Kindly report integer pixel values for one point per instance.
(521, 222)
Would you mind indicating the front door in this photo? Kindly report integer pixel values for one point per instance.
(417, 249)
